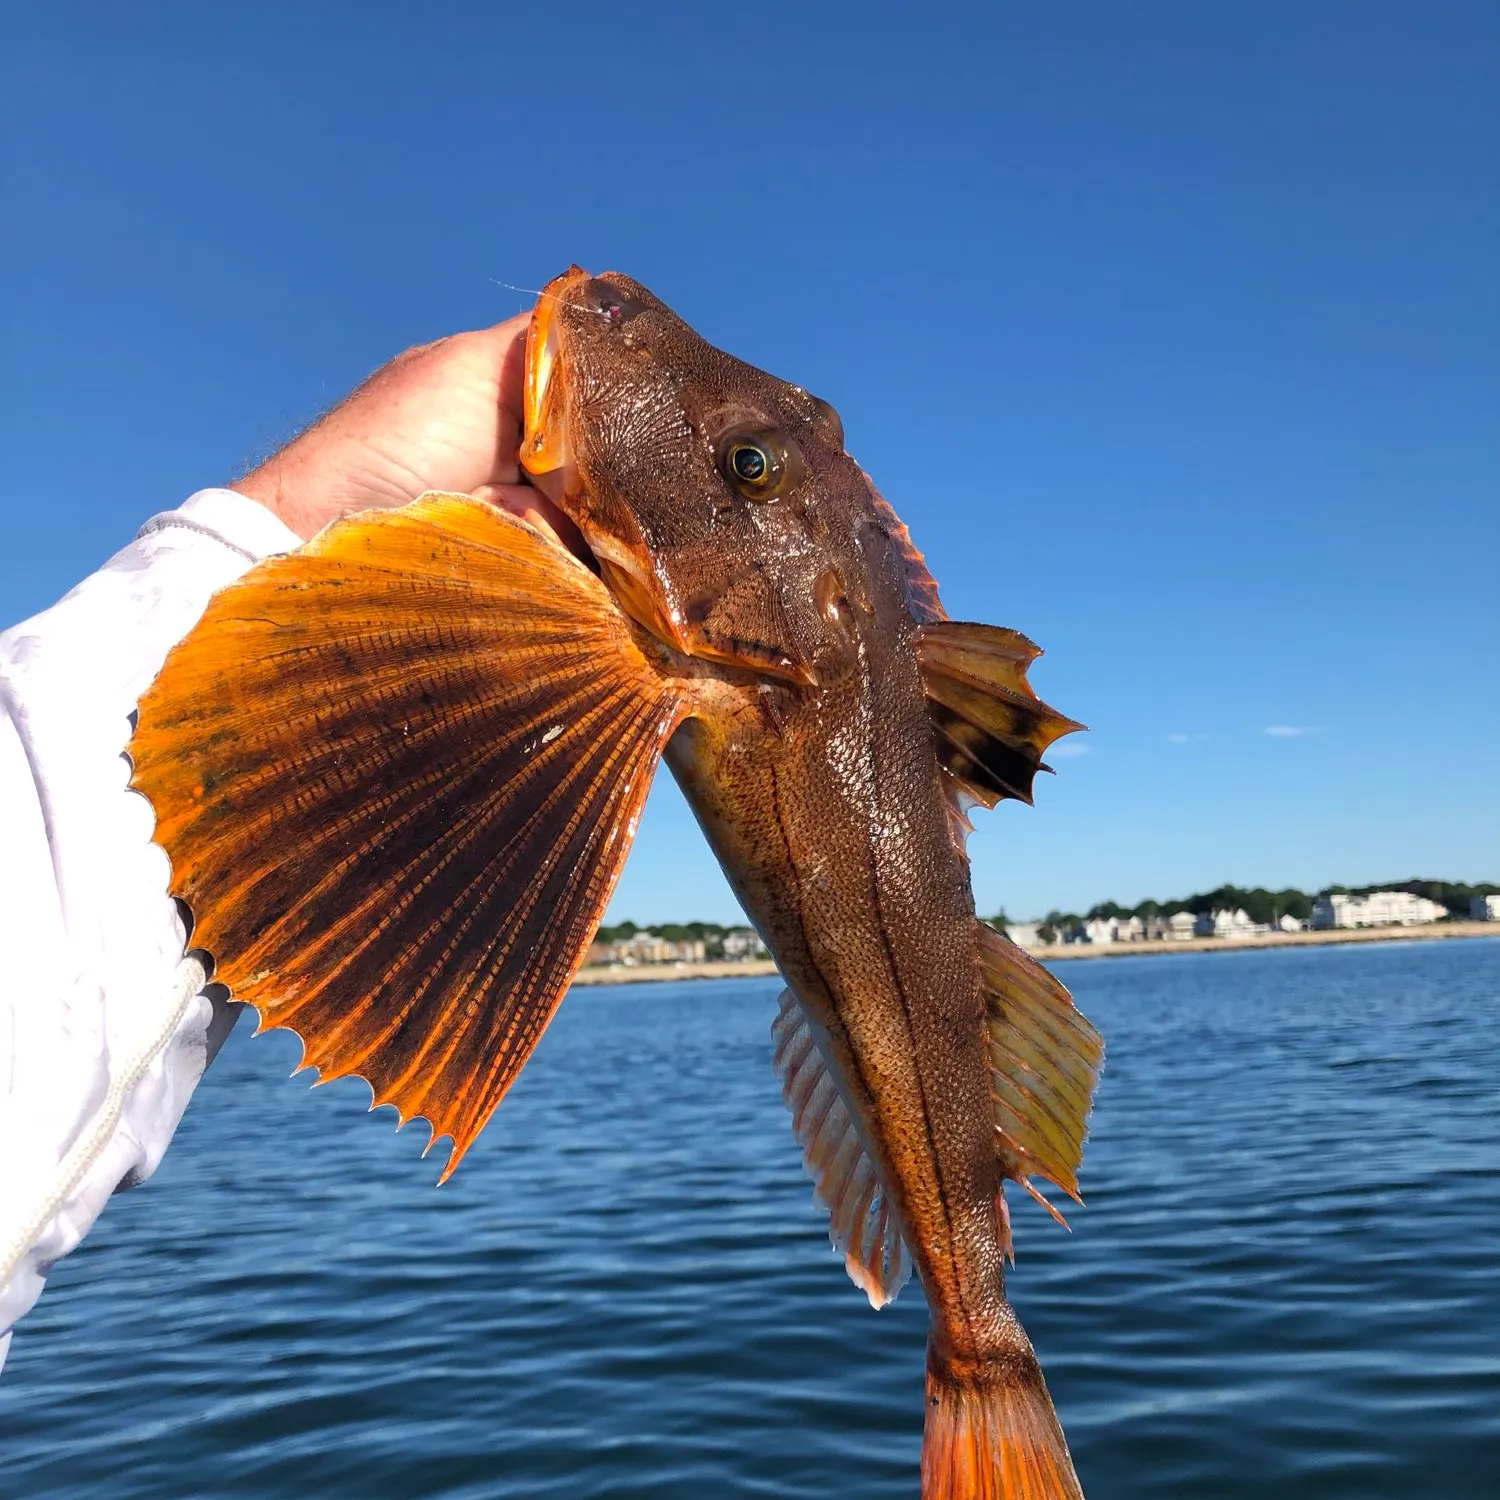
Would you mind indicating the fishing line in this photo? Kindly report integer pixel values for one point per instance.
(551, 296)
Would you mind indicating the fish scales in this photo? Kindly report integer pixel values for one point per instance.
(874, 930)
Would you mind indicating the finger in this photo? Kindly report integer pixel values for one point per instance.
(503, 346)
(537, 510)
(512, 335)
(495, 359)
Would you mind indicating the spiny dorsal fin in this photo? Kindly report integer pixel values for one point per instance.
(862, 1221)
(397, 774)
(921, 587)
(992, 729)
(1045, 1060)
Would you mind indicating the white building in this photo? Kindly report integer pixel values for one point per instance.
(1485, 909)
(1181, 926)
(647, 948)
(1288, 923)
(1378, 909)
(743, 943)
(1114, 930)
(1225, 924)
(1025, 935)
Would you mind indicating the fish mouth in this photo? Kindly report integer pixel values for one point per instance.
(547, 457)
(544, 443)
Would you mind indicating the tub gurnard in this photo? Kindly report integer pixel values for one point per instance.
(398, 773)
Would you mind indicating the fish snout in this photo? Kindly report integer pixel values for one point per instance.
(571, 310)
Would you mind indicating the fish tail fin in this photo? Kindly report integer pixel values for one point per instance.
(992, 1433)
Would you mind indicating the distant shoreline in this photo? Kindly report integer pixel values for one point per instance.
(751, 968)
(763, 968)
(1424, 932)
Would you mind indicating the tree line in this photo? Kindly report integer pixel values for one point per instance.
(670, 932)
(710, 934)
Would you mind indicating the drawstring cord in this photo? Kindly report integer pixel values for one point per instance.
(190, 977)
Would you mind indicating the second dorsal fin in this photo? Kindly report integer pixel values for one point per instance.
(1045, 1059)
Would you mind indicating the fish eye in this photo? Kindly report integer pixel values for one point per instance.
(749, 462)
(754, 463)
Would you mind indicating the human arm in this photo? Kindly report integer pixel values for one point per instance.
(92, 945)
(96, 1066)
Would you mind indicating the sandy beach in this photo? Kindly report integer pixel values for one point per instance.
(761, 968)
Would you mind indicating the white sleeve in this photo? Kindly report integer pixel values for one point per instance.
(90, 942)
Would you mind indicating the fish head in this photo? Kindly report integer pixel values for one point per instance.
(717, 500)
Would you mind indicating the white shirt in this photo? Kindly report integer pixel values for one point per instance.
(92, 978)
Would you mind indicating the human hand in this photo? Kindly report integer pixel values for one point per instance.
(442, 416)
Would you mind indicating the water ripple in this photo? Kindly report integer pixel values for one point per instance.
(1285, 1281)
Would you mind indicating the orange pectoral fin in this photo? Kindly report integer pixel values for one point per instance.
(397, 774)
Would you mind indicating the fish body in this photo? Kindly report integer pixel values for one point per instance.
(830, 817)
(755, 613)
(821, 784)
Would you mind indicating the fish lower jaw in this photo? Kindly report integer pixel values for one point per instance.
(543, 431)
(633, 592)
(553, 483)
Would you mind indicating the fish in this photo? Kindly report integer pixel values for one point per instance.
(398, 772)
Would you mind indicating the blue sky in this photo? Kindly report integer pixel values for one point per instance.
(1171, 329)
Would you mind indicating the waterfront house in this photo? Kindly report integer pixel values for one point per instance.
(1099, 930)
(1129, 930)
(646, 948)
(1378, 909)
(1025, 935)
(1225, 924)
(1181, 926)
(1485, 909)
(742, 944)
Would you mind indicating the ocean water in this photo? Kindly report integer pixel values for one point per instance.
(1286, 1283)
